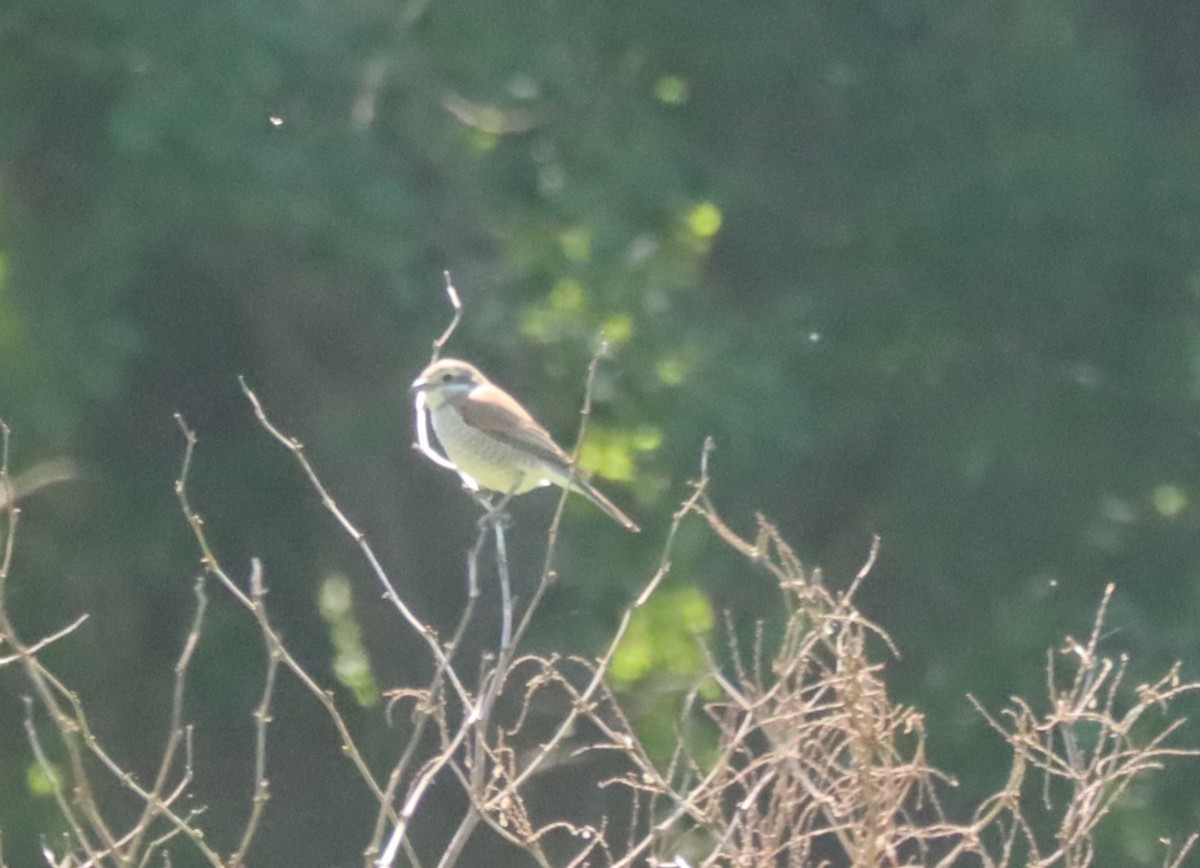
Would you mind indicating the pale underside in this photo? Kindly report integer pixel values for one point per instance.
(491, 463)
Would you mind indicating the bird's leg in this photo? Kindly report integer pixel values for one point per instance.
(498, 520)
(493, 510)
(484, 500)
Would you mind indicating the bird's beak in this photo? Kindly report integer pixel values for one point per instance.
(420, 384)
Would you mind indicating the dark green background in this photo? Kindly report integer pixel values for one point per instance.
(926, 269)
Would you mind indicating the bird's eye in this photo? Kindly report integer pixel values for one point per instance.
(447, 377)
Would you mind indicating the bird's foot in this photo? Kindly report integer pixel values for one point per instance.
(494, 513)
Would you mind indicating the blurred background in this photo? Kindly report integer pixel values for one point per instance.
(928, 269)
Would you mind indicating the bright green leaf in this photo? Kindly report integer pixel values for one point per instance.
(568, 296)
(665, 637)
(1170, 500)
(704, 220)
(672, 370)
(42, 781)
(618, 329)
(671, 89)
(351, 665)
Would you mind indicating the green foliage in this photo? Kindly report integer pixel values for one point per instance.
(658, 664)
(351, 663)
(666, 636)
(42, 782)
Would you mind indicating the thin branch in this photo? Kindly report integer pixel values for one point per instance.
(47, 641)
(275, 642)
(457, 305)
(262, 718)
(567, 725)
(175, 728)
(419, 627)
(423, 443)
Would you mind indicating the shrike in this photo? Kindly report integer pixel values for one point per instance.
(492, 441)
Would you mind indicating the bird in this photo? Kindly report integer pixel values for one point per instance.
(492, 441)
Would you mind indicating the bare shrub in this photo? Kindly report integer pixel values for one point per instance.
(790, 755)
(813, 763)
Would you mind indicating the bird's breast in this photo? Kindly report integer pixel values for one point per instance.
(488, 461)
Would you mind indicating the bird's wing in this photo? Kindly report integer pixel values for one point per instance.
(494, 411)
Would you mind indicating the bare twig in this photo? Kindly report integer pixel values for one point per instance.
(421, 414)
(175, 727)
(46, 641)
(429, 708)
(274, 641)
(418, 626)
(262, 717)
(457, 305)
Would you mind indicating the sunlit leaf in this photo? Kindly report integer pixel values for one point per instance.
(663, 636)
(618, 329)
(672, 370)
(671, 89)
(612, 452)
(568, 296)
(42, 781)
(351, 664)
(704, 220)
(1170, 500)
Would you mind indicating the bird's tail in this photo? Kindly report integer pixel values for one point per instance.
(588, 490)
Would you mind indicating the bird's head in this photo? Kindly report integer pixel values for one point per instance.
(447, 380)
